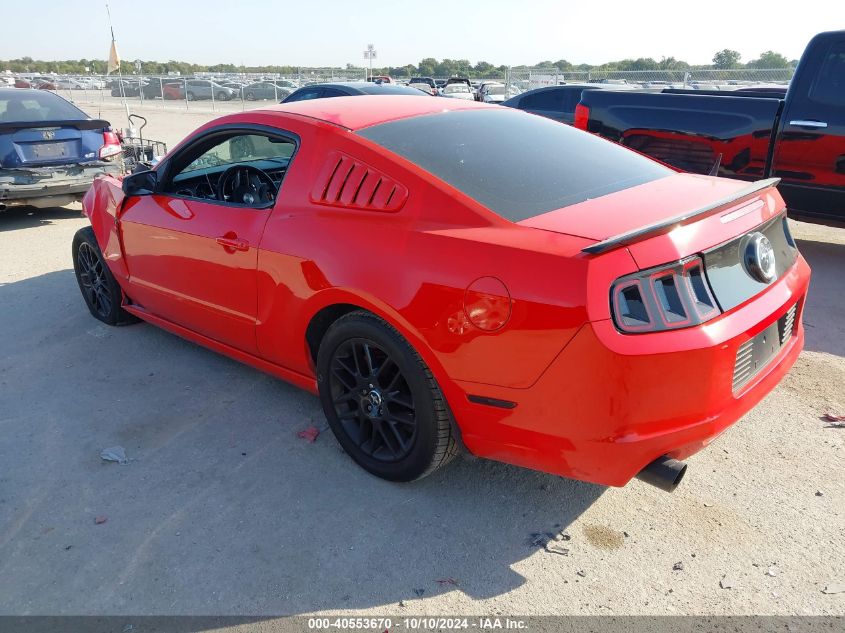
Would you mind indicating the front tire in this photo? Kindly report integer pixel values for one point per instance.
(381, 400)
(98, 286)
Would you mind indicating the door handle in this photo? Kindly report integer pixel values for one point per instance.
(233, 243)
(807, 123)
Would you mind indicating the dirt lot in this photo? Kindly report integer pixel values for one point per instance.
(222, 509)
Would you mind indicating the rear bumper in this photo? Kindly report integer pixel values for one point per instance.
(611, 403)
(61, 184)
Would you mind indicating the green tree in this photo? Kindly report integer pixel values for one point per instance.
(643, 63)
(427, 66)
(770, 59)
(670, 63)
(483, 69)
(726, 58)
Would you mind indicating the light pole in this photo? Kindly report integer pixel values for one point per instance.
(370, 54)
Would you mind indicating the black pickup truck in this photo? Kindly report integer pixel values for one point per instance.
(799, 137)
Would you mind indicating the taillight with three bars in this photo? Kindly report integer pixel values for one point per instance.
(664, 298)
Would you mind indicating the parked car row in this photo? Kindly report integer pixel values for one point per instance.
(485, 91)
(163, 87)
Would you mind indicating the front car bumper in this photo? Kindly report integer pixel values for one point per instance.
(611, 403)
(51, 186)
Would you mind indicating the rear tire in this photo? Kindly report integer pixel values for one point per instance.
(381, 400)
(99, 288)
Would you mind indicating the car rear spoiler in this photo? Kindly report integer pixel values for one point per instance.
(664, 226)
(79, 124)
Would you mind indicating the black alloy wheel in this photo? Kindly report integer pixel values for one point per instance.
(92, 281)
(372, 400)
(98, 286)
(383, 404)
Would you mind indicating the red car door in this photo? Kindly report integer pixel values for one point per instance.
(190, 250)
(193, 262)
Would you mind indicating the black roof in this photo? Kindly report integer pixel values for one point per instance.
(367, 88)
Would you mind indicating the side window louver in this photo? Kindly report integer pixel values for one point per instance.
(347, 182)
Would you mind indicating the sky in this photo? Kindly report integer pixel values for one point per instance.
(336, 32)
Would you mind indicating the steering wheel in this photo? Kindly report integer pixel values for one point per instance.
(245, 184)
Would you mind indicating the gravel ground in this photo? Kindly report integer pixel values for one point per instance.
(222, 509)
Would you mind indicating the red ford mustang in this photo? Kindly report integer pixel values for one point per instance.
(444, 272)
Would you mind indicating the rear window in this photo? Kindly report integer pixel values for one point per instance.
(543, 100)
(23, 106)
(829, 86)
(515, 164)
(562, 99)
(389, 89)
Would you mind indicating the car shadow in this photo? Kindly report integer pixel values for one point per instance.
(222, 508)
(824, 310)
(15, 218)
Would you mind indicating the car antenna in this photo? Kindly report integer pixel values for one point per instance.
(714, 170)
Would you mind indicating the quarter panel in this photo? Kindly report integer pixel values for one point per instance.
(414, 267)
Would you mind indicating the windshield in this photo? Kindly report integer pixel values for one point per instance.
(515, 164)
(451, 88)
(31, 107)
(241, 149)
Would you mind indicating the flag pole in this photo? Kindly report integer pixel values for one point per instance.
(119, 73)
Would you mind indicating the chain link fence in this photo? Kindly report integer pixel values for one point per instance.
(204, 92)
(208, 92)
(709, 79)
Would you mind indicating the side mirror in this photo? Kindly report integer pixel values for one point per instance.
(143, 183)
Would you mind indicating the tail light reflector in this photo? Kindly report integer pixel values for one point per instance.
(111, 145)
(582, 116)
(664, 298)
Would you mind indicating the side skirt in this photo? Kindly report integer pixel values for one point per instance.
(295, 378)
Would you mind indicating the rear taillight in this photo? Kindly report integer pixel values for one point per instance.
(664, 298)
(111, 145)
(582, 116)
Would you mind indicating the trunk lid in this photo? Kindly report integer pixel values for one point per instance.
(667, 219)
(47, 146)
(50, 143)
